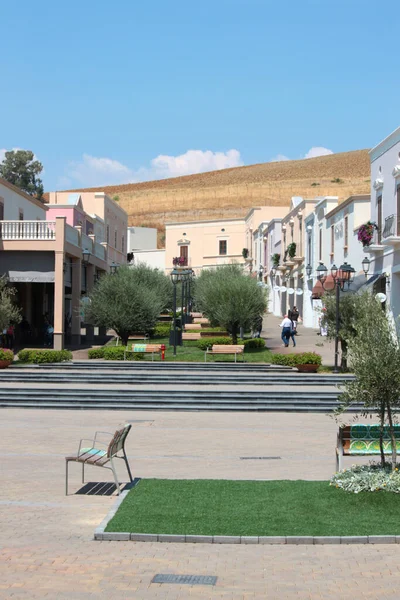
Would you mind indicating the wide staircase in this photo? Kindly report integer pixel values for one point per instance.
(169, 386)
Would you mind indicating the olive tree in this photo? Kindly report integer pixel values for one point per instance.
(128, 301)
(375, 359)
(230, 298)
(9, 312)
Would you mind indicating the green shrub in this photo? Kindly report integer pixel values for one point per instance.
(218, 341)
(161, 330)
(301, 358)
(44, 356)
(252, 344)
(6, 354)
(96, 353)
(121, 353)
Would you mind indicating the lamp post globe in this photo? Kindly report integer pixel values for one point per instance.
(321, 273)
(365, 265)
(86, 254)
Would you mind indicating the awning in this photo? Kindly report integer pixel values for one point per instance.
(31, 276)
(318, 291)
(361, 282)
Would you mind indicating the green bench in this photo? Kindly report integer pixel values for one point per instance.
(363, 440)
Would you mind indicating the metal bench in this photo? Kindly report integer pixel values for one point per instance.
(149, 348)
(225, 349)
(96, 456)
(363, 440)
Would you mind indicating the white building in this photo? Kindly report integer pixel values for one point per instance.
(272, 235)
(152, 258)
(385, 212)
(141, 238)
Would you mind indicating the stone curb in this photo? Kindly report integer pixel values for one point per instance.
(117, 536)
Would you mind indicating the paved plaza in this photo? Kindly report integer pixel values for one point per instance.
(47, 547)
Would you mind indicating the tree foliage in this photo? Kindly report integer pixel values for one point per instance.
(375, 358)
(230, 298)
(20, 169)
(9, 312)
(129, 301)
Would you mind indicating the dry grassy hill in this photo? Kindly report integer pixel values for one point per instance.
(232, 192)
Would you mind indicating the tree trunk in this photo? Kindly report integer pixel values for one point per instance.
(234, 333)
(343, 363)
(392, 435)
(381, 433)
(124, 335)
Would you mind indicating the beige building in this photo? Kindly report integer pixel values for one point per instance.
(111, 221)
(53, 264)
(204, 244)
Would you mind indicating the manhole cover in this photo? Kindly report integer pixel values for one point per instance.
(190, 579)
(260, 458)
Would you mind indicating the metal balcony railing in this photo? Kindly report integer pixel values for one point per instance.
(392, 226)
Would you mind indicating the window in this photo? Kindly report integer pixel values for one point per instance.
(320, 243)
(332, 240)
(1, 211)
(184, 254)
(223, 247)
(346, 231)
(309, 249)
(379, 213)
(108, 234)
(20, 215)
(115, 239)
(123, 244)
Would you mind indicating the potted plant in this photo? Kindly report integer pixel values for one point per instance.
(6, 358)
(307, 362)
(276, 259)
(245, 253)
(178, 261)
(291, 250)
(366, 233)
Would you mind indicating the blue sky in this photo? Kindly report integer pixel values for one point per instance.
(110, 92)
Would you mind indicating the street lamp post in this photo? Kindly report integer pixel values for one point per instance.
(342, 277)
(183, 282)
(175, 278)
(188, 292)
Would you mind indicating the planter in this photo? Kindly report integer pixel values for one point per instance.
(5, 363)
(310, 368)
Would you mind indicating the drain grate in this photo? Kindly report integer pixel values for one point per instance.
(190, 579)
(260, 457)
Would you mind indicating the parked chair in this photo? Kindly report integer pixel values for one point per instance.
(100, 457)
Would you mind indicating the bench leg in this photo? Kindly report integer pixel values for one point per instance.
(127, 466)
(115, 476)
(235, 356)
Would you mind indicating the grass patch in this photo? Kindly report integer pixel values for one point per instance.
(220, 507)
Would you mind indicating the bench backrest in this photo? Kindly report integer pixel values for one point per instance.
(118, 441)
(191, 336)
(190, 326)
(228, 349)
(364, 439)
(201, 320)
(146, 347)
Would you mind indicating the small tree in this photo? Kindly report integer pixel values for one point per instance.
(9, 312)
(127, 302)
(20, 169)
(349, 307)
(375, 359)
(230, 298)
(156, 280)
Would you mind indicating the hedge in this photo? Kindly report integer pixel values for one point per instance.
(6, 354)
(120, 353)
(44, 356)
(301, 358)
(161, 330)
(96, 353)
(252, 344)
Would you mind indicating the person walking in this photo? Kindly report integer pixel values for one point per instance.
(293, 315)
(286, 331)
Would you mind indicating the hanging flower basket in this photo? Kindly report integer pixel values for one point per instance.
(366, 233)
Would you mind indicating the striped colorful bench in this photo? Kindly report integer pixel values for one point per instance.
(98, 456)
(148, 348)
(363, 440)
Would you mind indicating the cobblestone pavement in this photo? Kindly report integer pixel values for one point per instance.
(46, 539)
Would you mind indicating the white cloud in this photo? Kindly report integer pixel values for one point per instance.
(93, 171)
(312, 153)
(318, 151)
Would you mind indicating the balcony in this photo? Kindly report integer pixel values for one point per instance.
(28, 230)
(390, 234)
(376, 244)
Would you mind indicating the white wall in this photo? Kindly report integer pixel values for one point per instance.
(152, 258)
(141, 238)
(14, 201)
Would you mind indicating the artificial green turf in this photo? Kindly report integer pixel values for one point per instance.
(256, 508)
